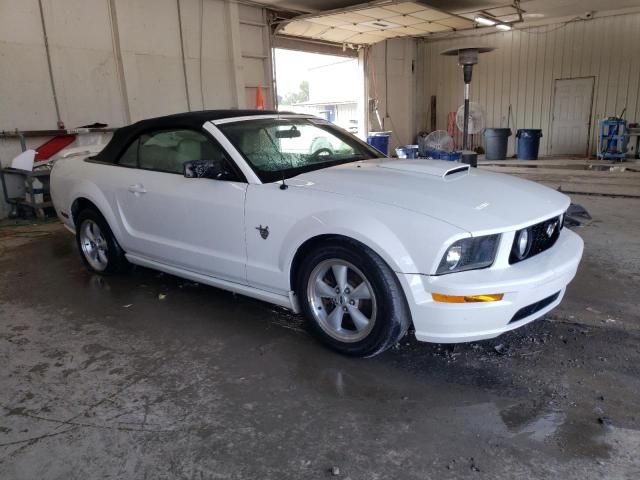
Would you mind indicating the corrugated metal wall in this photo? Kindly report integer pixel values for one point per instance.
(116, 61)
(521, 72)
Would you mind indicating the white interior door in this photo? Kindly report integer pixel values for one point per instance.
(571, 116)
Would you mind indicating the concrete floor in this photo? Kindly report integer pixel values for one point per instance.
(100, 378)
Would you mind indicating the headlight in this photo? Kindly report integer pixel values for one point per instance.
(453, 256)
(469, 254)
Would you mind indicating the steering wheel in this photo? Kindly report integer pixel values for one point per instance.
(321, 152)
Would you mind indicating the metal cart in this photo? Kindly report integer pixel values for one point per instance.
(27, 188)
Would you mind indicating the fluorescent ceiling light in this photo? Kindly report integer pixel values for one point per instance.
(503, 26)
(485, 21)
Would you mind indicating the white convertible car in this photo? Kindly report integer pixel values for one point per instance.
(294, 211)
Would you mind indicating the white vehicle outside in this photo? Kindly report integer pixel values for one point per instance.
(363, 245)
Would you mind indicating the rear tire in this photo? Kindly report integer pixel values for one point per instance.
(98, 248)
(352, 300)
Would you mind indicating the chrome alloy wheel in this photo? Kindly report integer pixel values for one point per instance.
(342, 300)
(94, 246)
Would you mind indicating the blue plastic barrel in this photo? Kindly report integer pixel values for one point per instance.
(528, 143)
(379, 141)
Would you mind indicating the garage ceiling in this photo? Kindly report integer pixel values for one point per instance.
(371, 23)
(350, 21)
(546, 8)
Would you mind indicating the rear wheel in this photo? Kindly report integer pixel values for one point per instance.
(352, 299)
(99, 248)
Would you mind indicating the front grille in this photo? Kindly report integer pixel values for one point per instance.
(529, 310)
(540, 239)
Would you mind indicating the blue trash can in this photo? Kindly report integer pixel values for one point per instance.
(380, 141)
(495, 143)
(528, 143)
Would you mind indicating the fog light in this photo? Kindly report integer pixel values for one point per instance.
(492, 297)
(522, 243)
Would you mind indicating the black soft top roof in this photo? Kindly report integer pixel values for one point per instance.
(123, 137)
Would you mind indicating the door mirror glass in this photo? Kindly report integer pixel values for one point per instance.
(208, 169)
(201, 169)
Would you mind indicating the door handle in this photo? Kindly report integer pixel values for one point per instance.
(137, 188)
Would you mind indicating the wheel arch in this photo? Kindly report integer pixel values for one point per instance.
(371, 233)
(88, 197)
(80, 204)
(320, 240)
(308, 246)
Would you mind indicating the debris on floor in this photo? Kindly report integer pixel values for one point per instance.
(604, 420)
(577, 216)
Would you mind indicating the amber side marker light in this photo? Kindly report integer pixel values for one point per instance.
(494, 297)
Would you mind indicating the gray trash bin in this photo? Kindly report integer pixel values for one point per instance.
(495, 143)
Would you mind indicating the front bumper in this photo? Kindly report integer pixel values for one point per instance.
(523, 284)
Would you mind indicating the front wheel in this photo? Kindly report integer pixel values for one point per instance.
(99, 248)
(352, 299)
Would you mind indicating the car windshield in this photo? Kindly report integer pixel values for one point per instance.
(278, 148)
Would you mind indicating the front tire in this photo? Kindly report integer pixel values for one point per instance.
(98, 247)
(352, 300)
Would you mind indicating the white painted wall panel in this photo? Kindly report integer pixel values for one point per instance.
(522, 70)
(209, 37)
(25, 90)
(152, 57)
(83, 62)
(91, 85)
(255, 46)
(392, 83)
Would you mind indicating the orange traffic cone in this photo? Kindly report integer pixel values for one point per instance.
(259, 98)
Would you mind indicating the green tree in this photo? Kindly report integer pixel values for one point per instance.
(302, 95)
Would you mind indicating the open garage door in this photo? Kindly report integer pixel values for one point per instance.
(367, 24)
(323, 79)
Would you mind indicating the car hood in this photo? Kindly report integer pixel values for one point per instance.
(474, 200)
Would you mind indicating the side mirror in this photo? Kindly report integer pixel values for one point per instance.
(200, 169)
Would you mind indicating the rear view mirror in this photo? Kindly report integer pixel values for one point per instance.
(200, 169)
(293, 132)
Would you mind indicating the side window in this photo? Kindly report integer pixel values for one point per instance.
(168, 150)
(130, 157)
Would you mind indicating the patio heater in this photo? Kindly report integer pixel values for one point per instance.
(467, 58)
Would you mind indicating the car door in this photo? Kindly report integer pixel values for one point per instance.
(192, 223)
